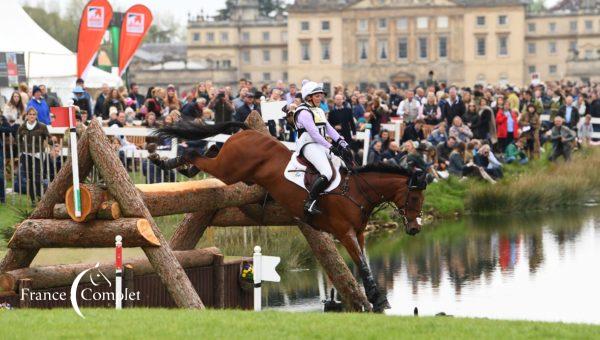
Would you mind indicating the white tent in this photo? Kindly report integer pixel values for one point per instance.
(46, 60)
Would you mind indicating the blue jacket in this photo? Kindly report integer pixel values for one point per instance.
(42, 109)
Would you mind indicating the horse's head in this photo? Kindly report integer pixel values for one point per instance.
(410, 204)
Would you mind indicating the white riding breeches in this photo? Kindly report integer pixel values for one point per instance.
(319, 156)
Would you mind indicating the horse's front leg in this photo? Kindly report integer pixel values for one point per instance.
(377, 298)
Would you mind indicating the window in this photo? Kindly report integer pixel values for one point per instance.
(442, 22)
(480, 48)
(284, 55)
(284, 36)
(443, 47)
(210, 36)
(423, 48)
(552, 69)
(531, 48)
(552, 27)
(285, 76)
(326, 50)
(305, 51)
(382, 23)
(304, 26)
(422, 22)
(572, 45)
(589, 54)
(480, 21)
(382, 49)
(552, 47)
(402, 48)
(502, 20)
(247, 76)
(531, 27)
(224, 37)
(226, 63)
(245, 36)
(503, 46)
(363, 25)
(325, 26)
(266, 56)
(573, 26)
(266, 36)
(267, 76)
(196, 36)
(246, 57)
(531, 69)
(402, 24)
(363, 48)
(589, 25)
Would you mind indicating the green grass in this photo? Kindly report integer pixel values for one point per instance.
(182, 324)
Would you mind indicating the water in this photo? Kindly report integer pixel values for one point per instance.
(538, 267)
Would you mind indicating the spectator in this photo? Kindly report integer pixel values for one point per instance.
(439, 134)
(444, 150)
(24, 92)
(395, 98)
(80, 100)
(341, 118)
(99, 106)
(290, 96)
(514, 152)
(244, 111)
(222, 106)
(409, 108)
(375, 155)
(392, 155)
(360, 106)
(453, 106)
(569, 113)
(556, 103)
(585, 130)
(33, 136)
(507, 126)
(172, 102)
(487, 161)
(150, 121)
(485, 127)
(239, 101)
(50, 98)
(471, 117)
(156, 102)
(14, 110)
(460, 131)
(431, 111)
(134, 94)
(562, 140)
(512, 98)
(530, 130)
(413, 132)
(39, 104)
(115, 100)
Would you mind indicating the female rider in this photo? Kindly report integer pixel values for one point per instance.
(313, 127)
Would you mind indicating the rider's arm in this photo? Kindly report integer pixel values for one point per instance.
(335, 136)
(306, 121)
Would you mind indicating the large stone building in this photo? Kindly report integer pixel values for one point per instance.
(247, 46)
(362, 42)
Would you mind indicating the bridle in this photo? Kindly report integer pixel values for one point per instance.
(402, 212)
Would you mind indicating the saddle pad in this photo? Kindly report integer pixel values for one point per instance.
(294, 172)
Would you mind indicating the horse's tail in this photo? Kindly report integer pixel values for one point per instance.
(193, 131)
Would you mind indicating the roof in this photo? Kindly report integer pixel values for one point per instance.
(177, 66)
(159, 52)
(320, 5)
(491, 3)
(576, 6)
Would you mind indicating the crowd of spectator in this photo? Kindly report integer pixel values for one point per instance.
(455, 131)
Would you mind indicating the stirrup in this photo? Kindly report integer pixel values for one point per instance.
(310, 207)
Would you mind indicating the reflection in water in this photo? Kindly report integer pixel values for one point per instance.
(539, 267)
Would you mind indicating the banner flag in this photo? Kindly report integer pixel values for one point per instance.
(136, 23)
(94, 20)
(61, 117)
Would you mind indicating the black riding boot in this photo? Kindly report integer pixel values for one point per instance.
(320, 184)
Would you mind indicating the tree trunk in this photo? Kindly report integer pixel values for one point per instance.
(92, 197)
(64, 274)
(326, 253)
(21, 258)
(50, 233)
(60, 212)
(191, 229)
(130, 200)
(253, 215)
(109, 210)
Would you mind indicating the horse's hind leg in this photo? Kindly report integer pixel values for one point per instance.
(377, 298)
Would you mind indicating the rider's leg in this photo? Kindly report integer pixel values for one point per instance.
(317, 156)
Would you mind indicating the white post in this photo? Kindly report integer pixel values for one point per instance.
(118, 272)
(74, 163)
(367, 144)
(397, 134)
(257, 263)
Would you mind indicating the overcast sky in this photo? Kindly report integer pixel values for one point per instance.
(177, 8)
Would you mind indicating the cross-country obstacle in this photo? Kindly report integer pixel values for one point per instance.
(118, 207)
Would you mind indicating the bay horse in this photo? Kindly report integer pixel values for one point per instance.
(256, 158)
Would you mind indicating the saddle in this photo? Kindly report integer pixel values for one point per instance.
(301, 172)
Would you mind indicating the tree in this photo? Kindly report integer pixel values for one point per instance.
(64, 30)
(269, 8)
(225, 13)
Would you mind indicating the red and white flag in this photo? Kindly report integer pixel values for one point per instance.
(136, 23)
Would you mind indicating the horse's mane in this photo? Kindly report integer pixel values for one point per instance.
(382, 168)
